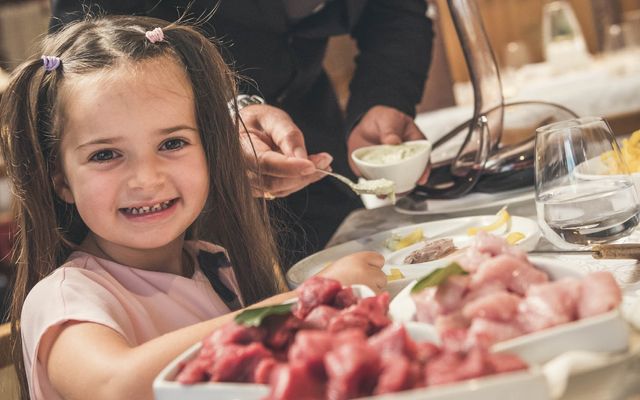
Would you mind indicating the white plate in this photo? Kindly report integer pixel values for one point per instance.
(455, 228)
(473, 201)
(524, 385)
(607, 332)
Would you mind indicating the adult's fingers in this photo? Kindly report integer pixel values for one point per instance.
(425, 175)
(276, 164)
(412, 132)
(282, 187)
(390, 137)
(284, 176)
(289, 139)
(279, 126)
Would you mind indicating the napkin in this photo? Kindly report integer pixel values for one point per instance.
(558, 370)
(631, 309)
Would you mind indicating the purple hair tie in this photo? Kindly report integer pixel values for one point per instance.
(50, 62)
(155, 35)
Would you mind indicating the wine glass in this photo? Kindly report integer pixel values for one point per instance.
(584, 193)
(563, 42)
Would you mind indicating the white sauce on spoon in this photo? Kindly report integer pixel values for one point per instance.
(379, 187)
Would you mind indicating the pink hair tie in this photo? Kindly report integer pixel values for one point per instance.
(155, 35)
(50, 62)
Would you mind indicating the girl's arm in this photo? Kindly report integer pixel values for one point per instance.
(86, 360)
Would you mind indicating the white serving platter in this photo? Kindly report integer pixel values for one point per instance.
(607, 332)
(454, 228)
(521, 385)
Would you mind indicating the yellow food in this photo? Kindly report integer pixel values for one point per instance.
(514, 237)
(630, 155)
(394, 275)
(502, 218)
(397, 242)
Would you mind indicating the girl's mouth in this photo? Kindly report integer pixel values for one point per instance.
(148, 209)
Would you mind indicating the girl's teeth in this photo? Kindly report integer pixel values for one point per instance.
(147, 209)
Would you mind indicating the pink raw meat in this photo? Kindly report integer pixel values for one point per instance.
(514, 273)
(600, 293)
(549, 304)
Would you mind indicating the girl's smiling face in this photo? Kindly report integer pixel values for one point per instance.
(131, 155)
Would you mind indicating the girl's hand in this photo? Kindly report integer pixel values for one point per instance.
(359, 268)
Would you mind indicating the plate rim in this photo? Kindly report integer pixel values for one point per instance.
(360, 244)
(520, 195)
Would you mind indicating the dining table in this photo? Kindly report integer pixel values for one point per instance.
(616, 376)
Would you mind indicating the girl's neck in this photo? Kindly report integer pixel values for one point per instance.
(170, 258)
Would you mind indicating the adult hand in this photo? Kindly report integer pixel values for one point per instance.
(280, 153)
(363, 268)
(384, 125)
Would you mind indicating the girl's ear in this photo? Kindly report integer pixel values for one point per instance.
(62, 189)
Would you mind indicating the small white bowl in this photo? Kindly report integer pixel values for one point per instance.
(403, 172)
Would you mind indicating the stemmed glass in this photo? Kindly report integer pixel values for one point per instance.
(584, 193)
(563, 42)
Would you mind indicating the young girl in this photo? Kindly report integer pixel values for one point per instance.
(122, 152)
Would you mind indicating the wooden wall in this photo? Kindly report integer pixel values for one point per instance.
(511, 20)
(505, 21)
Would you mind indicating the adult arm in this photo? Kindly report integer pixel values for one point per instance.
(394, 41)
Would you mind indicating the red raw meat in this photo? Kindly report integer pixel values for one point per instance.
(313, 292)
(320, 317)
(353, 370)
(295, 382)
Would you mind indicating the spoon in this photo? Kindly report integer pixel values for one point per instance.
(379, 187)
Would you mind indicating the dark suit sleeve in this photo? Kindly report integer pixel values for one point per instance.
(394, 41)
(65, 11)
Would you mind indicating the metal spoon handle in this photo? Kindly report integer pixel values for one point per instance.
(339, 177)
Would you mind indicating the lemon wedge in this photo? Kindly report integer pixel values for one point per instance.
(514, 237)
(502, 218)
(397, 242)
(394, 275)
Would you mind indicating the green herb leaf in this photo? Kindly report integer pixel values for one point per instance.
(255, 316)
(438, 276)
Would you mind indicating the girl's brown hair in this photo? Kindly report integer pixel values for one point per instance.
(31, 116)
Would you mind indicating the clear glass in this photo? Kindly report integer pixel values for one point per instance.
(563, 42)
(584, 193)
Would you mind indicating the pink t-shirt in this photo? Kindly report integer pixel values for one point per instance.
(138, 304)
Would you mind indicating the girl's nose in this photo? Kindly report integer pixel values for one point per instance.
(146, 173)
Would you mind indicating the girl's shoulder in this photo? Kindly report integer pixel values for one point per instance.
(77, 274)
(76, 290)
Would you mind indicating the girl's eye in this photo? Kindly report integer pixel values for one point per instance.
(173, 144)
(103, 155)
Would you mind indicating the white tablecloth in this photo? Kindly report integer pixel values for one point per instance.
(607, 86)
